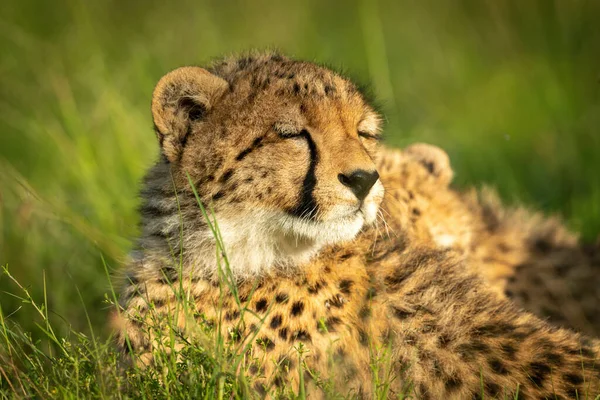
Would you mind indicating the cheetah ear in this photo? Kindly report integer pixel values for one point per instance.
(182, 98)
(434, 159)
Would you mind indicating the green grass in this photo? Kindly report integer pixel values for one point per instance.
(509, 88)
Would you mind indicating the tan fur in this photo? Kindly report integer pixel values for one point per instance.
(312, 279)
(531, 259)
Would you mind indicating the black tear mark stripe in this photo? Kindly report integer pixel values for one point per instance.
(307, 206)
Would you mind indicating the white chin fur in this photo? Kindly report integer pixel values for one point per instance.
(261, 241)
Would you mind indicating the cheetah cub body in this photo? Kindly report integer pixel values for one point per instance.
(527, 257)
(284, 155)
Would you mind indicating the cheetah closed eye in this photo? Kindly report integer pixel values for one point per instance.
(284, 153)
(284, 159)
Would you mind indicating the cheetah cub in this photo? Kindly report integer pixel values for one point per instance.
(532, 259)
(283, 154)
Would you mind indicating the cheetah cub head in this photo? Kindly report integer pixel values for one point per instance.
(280, 150)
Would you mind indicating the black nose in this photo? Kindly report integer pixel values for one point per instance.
(359, 181)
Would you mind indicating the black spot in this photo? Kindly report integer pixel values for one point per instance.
(444, 340)
(340, 354)
(429, 166)
(266, 343)
(345, 286)
(398, 276)
(259, 388)
(226, 175)
(313, 289)
(278, 381)
(265, 83)
(261, 305)
(524, 296)
(538, 372)
(587, 352)
(218, 195)
(282, 298)
(519, 335)
(307, 206)
(573, 379)
(296, 88)
(330, 324)
(496, 329)
(244, 62)
(480, 347)
(424, 392)
(542, 245)
(554, 359)
(492, 389)
(231, 315)
(253, 369)
(158, 302)
(363, 338)
(371, 292)
(365, 312)
(468, 351)
(301, 335)
(236, 334)
(209, 323)
(562, 270)
(243, 154)
(256, 144)
(416, 211)
(336, 301)
(497, 366)
(283, 332)
(453, 383)
(503, 247)
(285, 363)
(297, 308)
(275, 322)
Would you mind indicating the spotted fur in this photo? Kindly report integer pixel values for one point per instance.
(264, 139)
(527, 257)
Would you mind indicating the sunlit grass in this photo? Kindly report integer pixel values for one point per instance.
(509, 89)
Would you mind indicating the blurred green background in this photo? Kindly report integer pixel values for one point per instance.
(509, 88)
